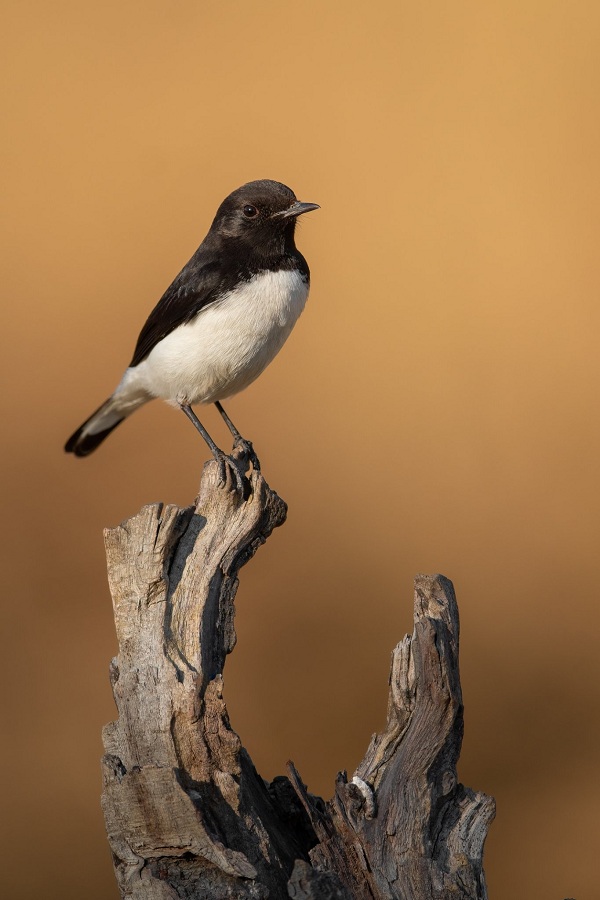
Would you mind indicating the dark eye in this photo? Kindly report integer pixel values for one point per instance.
(250, 211)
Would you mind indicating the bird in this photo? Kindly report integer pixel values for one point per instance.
(220, 323)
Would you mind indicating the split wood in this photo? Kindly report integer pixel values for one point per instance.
(187, 814)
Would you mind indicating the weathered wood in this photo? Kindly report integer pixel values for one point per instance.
(404, 827)
(188, 816)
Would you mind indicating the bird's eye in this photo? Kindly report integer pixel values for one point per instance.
(250, 211)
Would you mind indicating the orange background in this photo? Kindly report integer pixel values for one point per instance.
(436, 408)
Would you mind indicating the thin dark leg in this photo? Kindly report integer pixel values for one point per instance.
(228, 421)
(239, 440)
(216, 452)
(223, 460)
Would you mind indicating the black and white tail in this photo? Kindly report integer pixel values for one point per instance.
(95, 429)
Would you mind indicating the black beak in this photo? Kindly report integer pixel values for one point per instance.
(296, 209)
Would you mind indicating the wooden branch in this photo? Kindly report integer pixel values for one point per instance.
(186, 813)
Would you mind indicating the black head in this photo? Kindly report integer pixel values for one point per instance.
(262, 213)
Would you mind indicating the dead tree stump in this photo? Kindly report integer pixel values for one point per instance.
(186, 813)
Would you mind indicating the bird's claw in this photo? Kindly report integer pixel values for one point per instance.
(225, 462)
(242, 446)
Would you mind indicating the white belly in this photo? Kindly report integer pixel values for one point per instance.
(226, 346)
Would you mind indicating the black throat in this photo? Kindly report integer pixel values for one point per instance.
(268, 249)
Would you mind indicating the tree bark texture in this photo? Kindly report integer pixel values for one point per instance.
(186, 813)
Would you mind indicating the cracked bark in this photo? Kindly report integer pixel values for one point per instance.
(186, 813)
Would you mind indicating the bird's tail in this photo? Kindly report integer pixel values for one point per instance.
(100, 424)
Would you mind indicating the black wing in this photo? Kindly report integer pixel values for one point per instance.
(200, 283)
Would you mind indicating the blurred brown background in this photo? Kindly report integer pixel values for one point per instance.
(436, 408)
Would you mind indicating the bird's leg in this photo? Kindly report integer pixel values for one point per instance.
(223, 460)
(241, 442)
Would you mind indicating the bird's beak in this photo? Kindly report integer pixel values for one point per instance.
(296, 209)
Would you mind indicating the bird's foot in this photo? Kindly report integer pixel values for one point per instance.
(230, 473)
(244, 448)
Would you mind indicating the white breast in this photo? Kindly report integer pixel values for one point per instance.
(227, 345)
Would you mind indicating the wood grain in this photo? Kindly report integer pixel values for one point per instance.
(188, 816)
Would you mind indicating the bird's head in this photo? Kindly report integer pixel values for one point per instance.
(262, 213)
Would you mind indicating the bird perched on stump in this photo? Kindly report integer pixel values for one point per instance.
(222, 320)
